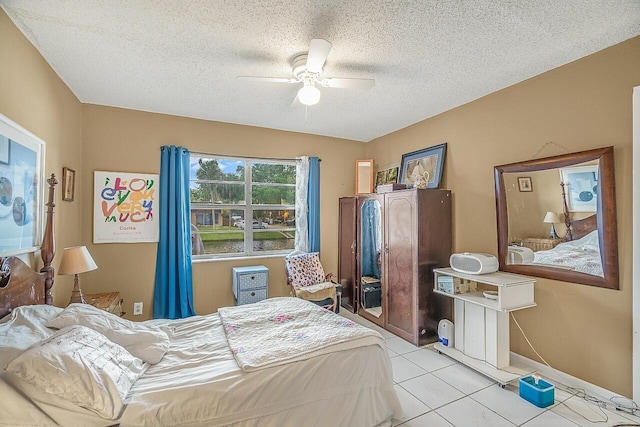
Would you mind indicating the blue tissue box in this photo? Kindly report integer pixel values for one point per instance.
(541, 394)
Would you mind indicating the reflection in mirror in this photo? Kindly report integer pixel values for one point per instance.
(364, 176)
(557, 218)
(371, 247)
(536, 233)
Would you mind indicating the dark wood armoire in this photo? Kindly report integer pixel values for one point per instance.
(397, 238)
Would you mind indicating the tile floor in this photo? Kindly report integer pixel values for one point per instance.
(437, 391)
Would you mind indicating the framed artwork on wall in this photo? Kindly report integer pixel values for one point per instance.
(524, 184)
(423, 166)
(581, 187)
(68, 184)
(21, 189)
(4, 150)
(125, 207)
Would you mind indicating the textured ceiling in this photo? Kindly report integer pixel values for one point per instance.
(426, 56)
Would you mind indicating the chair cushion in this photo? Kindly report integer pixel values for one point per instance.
(304, 269)
(316, 294)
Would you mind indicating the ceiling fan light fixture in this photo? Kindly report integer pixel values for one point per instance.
(309, 94)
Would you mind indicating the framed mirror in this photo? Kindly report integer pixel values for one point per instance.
(364, 176)
(557, 218)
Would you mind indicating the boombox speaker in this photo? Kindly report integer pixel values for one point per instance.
(473, 263)
(519, 255)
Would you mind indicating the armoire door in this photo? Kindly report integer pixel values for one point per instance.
(400, 252)
(347, 276)
(370, 265)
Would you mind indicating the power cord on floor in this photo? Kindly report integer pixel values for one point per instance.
(581, 393)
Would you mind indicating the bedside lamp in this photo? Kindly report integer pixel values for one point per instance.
(552, 218)
(76, 260)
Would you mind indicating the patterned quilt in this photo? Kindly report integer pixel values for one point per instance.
(281, 330)
(581, 255)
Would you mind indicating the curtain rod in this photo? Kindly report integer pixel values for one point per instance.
(244, 157)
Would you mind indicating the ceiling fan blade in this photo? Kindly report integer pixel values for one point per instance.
(295, 103)
(318, 51)
(268, 79)
(348, 83)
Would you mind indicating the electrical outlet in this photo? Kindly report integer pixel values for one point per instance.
(137, 308)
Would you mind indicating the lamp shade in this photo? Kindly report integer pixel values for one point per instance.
(76, 260)
(551, 218)
(309, 94)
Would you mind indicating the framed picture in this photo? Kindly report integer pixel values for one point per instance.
(524, 184)
(4, 150)
(381, 177)
(426, 164)
(364, 176)
(21, 189)
(125, 207)
(387, 176)
(68, 184)
(580, 187)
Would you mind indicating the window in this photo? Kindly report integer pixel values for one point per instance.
(241, 207)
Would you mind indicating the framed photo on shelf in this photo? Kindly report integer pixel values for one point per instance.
(68, 184)
(580, 187)
(524, 184)
(21, 189)
(426, 164)
(387, 176)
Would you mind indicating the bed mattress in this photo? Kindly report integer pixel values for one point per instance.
(199, 383)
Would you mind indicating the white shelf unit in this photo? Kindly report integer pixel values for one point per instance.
(481, 325)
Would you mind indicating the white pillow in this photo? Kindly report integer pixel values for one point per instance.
(148, 343)
(81, 366)
(24, 328)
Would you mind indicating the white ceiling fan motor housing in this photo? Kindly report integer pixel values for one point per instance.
(300, 71)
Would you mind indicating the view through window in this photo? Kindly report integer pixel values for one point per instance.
(240, 206)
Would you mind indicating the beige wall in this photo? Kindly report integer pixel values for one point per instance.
(581, 330)
(528, 209)
(129, 141)
(33, 96)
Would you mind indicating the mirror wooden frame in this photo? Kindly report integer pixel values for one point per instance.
(605, 216)
(364, 180)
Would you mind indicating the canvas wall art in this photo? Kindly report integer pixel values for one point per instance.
(125, 207)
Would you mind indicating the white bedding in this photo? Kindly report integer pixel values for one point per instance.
(582, 255)
(281, 330)
(344, 388)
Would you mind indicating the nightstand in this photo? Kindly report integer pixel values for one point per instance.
(250, 284)
(537, 243)
(107, 301)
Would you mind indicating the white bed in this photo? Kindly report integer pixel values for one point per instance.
(582, 255)
(198, 381)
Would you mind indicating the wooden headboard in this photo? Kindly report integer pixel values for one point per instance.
(19, 283)
(582, 227)
(576, 228)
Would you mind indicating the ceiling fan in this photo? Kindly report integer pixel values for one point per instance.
(307, 69)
